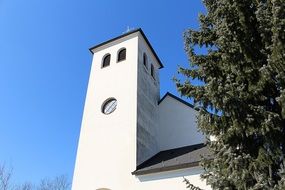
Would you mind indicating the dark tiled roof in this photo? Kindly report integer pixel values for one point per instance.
(126, 34)
(173, 159)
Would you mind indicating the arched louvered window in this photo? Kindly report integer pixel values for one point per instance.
(122, 54)
(152, 71)
(145, 60)
(106, 60)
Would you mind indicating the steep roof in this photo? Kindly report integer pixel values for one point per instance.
(129, 33)
(174, 159)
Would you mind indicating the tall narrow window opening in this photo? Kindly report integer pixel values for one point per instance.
(145, 60)
(106, 60)
(152, 71)
(122, 55)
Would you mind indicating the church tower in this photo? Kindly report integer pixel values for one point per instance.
(120, 116)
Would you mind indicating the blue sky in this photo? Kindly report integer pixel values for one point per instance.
(45, 64)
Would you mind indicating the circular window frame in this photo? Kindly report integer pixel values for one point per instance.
(106, 102)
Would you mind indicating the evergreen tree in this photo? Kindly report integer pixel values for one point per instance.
(242, 99)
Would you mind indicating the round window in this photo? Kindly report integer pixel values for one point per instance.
(109, 106)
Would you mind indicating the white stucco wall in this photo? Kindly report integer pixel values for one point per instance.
(106, 153)
(172, 180)
(177, 125)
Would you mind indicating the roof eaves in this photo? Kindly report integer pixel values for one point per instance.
(152, 50)
(126, 34)
(165, 169)
(113, 39)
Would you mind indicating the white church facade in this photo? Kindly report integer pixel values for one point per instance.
(131, 139)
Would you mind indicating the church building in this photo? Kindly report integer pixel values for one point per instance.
(130, 138)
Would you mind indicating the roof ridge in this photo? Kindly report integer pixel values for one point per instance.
(178, 99)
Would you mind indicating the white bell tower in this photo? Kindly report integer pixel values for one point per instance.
(120, 116)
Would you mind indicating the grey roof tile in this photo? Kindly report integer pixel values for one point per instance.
(173, 159)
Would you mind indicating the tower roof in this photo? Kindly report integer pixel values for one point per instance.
(126, 34)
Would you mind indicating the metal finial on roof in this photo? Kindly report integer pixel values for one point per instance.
(128, 29)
